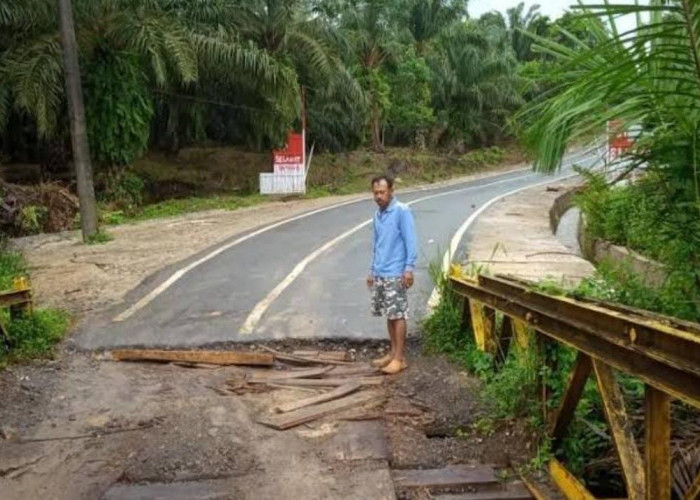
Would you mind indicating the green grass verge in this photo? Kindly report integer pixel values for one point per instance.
(31, 336)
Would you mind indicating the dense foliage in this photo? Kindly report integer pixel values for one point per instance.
(169, 73)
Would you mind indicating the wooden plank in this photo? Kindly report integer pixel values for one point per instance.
(577, 381)
(570, 487)
(657, 450)
(332, 355)
(359, 369)
(290, 374)
(694, 492)
(210, 357)
(302, 360)
(621, 430)
(337, 393)
(484, 325)
(298, 417)
(538, 490)
(453, 476)
(320, 382)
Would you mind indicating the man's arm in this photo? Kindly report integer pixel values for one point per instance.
(370, 277)
(408, 231)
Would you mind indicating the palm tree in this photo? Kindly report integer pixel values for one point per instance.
(429, 18)
(476, 87)
(520, 22)
(173, 51)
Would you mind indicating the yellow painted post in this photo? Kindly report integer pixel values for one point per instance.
(522, 333)
(570, 487)
(621, 430)
(483, 323)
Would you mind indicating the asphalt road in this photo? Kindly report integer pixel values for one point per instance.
(304, 278)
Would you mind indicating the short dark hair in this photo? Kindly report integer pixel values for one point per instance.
(379, 178)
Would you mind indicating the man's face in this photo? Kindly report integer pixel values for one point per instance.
(382, 193)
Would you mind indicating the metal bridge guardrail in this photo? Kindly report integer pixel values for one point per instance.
(662, 352)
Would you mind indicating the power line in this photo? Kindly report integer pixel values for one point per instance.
(215, 103)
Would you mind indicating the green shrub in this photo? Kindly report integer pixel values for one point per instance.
(35, 335)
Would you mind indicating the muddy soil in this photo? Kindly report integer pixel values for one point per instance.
(81, 427)
(447, 434)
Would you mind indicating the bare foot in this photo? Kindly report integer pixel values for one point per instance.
(382, 362)
(394, 367)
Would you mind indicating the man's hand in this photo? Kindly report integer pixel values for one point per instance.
(370, 281)
(407, 279)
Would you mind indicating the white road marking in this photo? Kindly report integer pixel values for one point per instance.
(434, 299)
(147, 299)
(261, 307)
(177, 275)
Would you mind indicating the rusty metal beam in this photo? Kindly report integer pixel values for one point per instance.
(665, 358)
(653, 338)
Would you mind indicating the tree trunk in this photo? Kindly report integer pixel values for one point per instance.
(376, 124)
(76, 113)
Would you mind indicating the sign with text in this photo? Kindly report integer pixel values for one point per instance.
(290, 159)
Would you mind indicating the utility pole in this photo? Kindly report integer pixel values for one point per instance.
(76, 113)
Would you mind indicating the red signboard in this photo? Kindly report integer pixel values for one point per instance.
(292, 153)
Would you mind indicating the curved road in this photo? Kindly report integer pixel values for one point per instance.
(303, 278)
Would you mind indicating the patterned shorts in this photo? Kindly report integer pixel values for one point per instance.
(389, 297)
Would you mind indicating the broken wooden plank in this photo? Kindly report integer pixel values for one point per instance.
(450, 477)
(298, 417)
(320, 382)
(332, 355)
(291, 374)
(359, 369)
(192, 356)
(339, 392)
(281, 356)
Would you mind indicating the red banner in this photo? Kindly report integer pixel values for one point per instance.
(292, 153)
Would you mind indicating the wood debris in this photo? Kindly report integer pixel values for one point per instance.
(324, 355)
(291, 358)
(321, 382)
(337, 393)
(195, 356)
(303, 415)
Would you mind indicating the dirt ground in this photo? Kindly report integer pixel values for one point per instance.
(81, 427)
(85, 279)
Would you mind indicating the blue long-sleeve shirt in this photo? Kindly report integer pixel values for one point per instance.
(394, 242)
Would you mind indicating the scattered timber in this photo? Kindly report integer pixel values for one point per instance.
(321, 382)
(304, 415)
(192, 356)
(337, 393)
(290, 358)
(325, 355)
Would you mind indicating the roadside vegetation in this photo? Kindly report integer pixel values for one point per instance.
(30, 336)
(646, 77)
(184, 100)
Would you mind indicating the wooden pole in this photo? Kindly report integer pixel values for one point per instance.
(76, 113)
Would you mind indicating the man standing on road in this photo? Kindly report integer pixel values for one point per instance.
(394, 254)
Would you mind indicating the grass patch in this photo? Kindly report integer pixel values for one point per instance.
(34, 336)
(30, 336)
(99, 238)
(11, 266)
